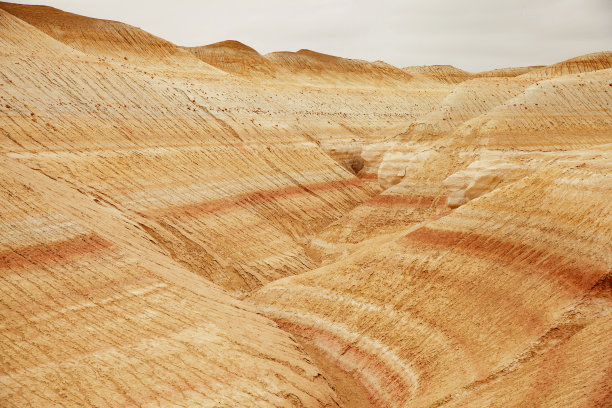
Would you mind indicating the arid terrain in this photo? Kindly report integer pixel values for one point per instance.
(213, 227)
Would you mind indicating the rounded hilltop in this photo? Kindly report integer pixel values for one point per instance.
(107, 38)
(230, 45)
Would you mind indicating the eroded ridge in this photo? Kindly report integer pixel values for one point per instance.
(93, 314)
(168, 148)
(455, 300)
(210, 226)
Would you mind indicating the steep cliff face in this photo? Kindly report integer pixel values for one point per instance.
(429, 236)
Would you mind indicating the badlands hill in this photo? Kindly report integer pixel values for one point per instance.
(106, 38)
(210, 226)
(305, 67)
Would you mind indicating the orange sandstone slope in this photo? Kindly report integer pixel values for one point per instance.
(95, 314)
(568, 111)
(487, 131)
(507, 72)
(465, 219)
(584, 63)
(405, 290)
(305, 67)
(193, 155)
(106, 38)
(440, 73)
(458, 309)
(450, 74)
(234, 57)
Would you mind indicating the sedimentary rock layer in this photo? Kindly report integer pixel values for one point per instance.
(459, 302)
(106, 38)
(431, 237)
(571, 111)
(582, 64)
(440, 73)
(212, 164)
(304, 67)
(94, 314)
(479, 125)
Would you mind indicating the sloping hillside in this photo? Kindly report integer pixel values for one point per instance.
(460, 302)
(440, 73)
(105, 38)
(304, 67)
(94, 314)
(569, 111)
(584, 63)
(209, 226)
(234, 57)
(482, 123)
(191, 157)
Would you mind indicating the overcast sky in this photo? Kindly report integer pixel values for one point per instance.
(470, 34)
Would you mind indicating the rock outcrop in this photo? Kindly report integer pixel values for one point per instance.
(479, 178)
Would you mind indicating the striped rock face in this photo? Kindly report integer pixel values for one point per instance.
(490, 129)
(94, 314)
(208, 164)
(455, 306)
(212, 227)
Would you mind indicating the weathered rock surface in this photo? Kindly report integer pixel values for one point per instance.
(193, 155)
(462, 305)
(479, 178)
(440, 73)
(302, 67)
(479, 119)
(582, 64)
(106, 38)
(423, 237)
(94, 314)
